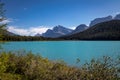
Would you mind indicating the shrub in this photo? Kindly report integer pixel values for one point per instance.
(28, 66)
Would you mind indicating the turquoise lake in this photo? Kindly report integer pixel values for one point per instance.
(67, 51)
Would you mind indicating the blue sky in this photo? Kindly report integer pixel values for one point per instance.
(29, 14)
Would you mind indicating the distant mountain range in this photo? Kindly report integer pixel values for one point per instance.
(104, 19)
(104, 28)
(99, 20)
(38, 35)
(79, 28)
(57, 31)
(109, 30)
(117, 17)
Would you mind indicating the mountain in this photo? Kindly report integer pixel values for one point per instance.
(79, 28)
(57, 32)
(99, 20)
(37, 35)
(117, 17)
(109, 30)
(51, 33)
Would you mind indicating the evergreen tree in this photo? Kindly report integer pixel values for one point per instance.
(2, 18)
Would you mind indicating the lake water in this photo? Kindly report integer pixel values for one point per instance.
(68, 51)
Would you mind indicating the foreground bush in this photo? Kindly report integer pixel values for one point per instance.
(27, 66)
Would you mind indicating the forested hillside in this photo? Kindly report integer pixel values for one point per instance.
(103, 31)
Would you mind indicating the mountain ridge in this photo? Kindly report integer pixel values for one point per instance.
(109, 30)
(57, 31)
(99, 20)
(53, 33)
(79, 28)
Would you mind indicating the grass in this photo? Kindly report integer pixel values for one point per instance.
(23, 65)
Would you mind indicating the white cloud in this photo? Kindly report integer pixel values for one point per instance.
(117, 13)
(28, 32)
(72, 27)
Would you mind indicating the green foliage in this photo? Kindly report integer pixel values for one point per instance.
(27, 66)
(3, 62)
(103, 69)
(9, 76)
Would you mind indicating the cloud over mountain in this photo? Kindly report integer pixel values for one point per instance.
(27, 32)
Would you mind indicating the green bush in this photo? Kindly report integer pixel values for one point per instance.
(27, 66)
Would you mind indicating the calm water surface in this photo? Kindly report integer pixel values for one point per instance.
(68, 51)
